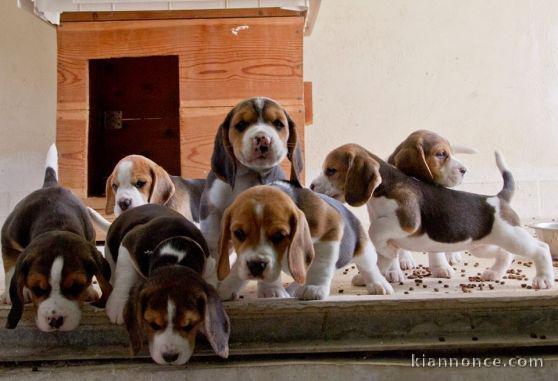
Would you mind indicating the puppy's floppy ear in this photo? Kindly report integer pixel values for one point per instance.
(301, 250)
(16, 290)
(99, 267)
(162, 187)
(223, 266)
(294, 153)
(363, 177)
(133, 316)
(223, 160)
(217, 326)
(411, 160)
(109, 194)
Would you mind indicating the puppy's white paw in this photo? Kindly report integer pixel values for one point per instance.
(115, 308)
(226, 293)
(293, 288)
(490, 275)
(379, 288)
(272, 292)
(395, 275)
(543, 282)
(454, 258)
(442, 272)
(310, 292)
(406, 261)
(358, 281)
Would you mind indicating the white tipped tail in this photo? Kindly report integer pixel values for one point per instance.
(463, 149)
(500, 162)
(99, 220)
(52, 159)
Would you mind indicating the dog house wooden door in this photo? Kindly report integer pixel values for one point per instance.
(134, 109)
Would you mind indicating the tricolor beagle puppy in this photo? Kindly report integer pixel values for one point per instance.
(280, 227)
(159, 289)
(429, 157)
(137, 180)
(49, 255)
(415, 215)
(256, 135)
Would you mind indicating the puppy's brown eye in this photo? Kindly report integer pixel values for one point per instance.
(240, 234)
(140, 184)
(278, 124)
(277, 237)
(39, 291)
(441, 154)
(114, 187)
(154, 326)
(330, 171)
(187, 327)
(241, 126)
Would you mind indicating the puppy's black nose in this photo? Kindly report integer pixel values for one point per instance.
(170, 357)
(463, 170)
(256, 267)
(56, 322)
(124, 203)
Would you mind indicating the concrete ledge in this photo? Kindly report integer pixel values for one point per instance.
(342, 324)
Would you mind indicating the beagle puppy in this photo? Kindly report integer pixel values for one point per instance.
(49, 256)
(282, 227)
(137, 180)
(159, 289)
(429, 157)
(255, 137)
(415, 215)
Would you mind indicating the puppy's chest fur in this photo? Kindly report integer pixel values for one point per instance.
(328, 220)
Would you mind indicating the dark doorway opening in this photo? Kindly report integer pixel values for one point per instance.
(134, 109)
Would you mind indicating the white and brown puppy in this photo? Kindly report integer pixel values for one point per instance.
(137, 180)
(429, 157)
(281, 227)
(255, 137)
(49, 255)
(164, 256)
(415, 215)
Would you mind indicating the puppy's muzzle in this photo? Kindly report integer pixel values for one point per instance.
(124, 203)
(262, 144)
(170, 357)
(56, 321)
(257, 267)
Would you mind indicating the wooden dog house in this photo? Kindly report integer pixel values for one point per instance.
(159, 83)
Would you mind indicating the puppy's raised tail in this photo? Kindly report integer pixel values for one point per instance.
(508, 189)
(51, 167)
(99, 220)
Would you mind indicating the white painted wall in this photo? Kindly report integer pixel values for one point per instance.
(27, 101)
(480, 72)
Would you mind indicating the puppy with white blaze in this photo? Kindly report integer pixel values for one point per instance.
(415, 215)
(50, 258)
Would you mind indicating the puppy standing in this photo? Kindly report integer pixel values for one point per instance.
(164, 256)
(137, 180)
(256, 135)
(429, 157)
(270, 233)
(49, 255)
(414, 215)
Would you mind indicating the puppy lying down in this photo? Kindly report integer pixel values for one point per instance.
(419, 216)
(285, 227)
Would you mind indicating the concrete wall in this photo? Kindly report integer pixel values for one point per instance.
(483, 73)
(480, 72)
(27, 101)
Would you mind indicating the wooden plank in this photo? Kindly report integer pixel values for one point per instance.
(339, 324)
(219, 65)
(178, 14)
(198, 129)
(308, 104)
(71, 140)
